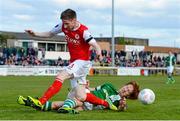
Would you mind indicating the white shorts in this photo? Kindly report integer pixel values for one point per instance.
(170, 69)
(71, 94)
(79, 69)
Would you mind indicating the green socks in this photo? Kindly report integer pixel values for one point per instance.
(47, 106)
(171, 80)
(69, 103)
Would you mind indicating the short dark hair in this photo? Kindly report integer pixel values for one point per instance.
(68, 14)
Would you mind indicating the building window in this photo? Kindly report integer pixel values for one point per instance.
(61, 47)
(42, 46)
(51, 47)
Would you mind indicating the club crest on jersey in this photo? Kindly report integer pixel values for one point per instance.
(76, 36)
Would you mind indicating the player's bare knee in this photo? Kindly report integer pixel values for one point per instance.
(81, 97)
(80, 93)
(55, 106)
(63, 75)
(78, 102)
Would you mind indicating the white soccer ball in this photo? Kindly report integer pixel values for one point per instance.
(146, 96)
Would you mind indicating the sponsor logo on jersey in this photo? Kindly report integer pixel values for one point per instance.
(73, 41)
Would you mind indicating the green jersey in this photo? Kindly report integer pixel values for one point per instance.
(108, 89)
(170, 60)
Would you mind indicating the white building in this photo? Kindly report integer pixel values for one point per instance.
(54, 47)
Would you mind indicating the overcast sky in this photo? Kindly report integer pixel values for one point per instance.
(157, 20)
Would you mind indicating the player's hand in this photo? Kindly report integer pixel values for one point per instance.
(30, 32)
(87, 84)
(122, 104)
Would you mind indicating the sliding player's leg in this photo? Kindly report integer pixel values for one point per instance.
(70, 104)
(83, 95)
(55, 105)
(23, 101)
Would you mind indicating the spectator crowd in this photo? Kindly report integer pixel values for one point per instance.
(132, 59)
(29, 57)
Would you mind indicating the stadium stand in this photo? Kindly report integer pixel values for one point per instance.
(29, 56)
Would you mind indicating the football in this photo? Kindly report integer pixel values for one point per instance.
(146, 96)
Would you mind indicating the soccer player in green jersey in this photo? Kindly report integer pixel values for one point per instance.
(76, 98)
(170, 62)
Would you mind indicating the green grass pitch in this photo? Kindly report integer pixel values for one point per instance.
(165, 107)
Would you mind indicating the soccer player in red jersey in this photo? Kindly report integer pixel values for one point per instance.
(79, 41)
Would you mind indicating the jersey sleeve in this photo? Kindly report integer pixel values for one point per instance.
(57, 29)
(87, 36)
(109, 87)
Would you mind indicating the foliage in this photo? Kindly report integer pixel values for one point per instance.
(123, 41)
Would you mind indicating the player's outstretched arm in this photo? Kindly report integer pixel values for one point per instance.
(96, 46)
(39, 34)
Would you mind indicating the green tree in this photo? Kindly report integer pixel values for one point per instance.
(129, 43)
(121, 41)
